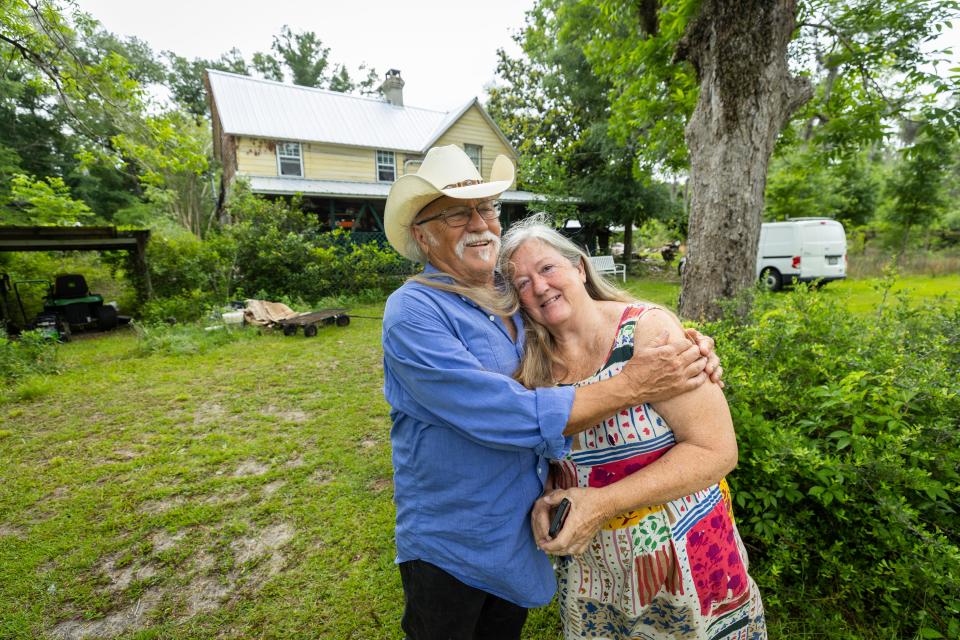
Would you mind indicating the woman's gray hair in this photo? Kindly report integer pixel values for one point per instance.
(540, 357)
(538, 227)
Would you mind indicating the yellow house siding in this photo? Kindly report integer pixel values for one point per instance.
(256, 157)
(473, 128)
(330, 162)
(320, 161)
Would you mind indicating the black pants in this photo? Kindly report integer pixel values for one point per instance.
(440, 607)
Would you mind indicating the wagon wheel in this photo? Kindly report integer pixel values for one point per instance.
(343, 320)
(289, 329)
(310, 330)
(329, 320)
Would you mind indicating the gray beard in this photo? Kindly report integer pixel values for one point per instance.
(485, 254)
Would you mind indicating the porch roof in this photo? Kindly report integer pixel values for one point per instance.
(340, 189)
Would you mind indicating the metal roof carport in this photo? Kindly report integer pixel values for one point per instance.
(133, 241)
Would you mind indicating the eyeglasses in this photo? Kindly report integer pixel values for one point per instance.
(460, 216)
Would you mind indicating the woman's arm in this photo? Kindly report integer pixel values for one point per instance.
(706, 450)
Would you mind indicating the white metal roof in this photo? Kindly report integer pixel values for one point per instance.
(336, 188)
(268, 109)
(290, 186)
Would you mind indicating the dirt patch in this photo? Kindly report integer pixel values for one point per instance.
(122, 577)
(322, 476)
(272, 488)
(124, 454)
(265, 545)
(382, 484)
(368, 443)
(8, 530)
(128, 619)
(154, 507)
(204, 561)
(225, 498)
(251, 468)
(295, 462)
(163, 541)
(205, 593)
(288, 415)
(209, 412)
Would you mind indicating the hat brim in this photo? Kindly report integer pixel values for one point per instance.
(411, 193)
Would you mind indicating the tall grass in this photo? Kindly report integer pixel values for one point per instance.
(871, 263)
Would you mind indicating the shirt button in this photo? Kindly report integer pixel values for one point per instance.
(491, 318)
(539, 469)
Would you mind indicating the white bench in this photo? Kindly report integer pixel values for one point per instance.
(604, 265)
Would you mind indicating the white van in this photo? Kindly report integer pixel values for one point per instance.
(801, 250)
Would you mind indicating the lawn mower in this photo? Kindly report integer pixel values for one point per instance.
(71, 300)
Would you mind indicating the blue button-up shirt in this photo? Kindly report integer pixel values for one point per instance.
(470, 444)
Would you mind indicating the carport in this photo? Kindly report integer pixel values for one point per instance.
(133, 241)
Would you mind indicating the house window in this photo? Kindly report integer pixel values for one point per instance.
(386, 166)
(289, 159)
(475, 153)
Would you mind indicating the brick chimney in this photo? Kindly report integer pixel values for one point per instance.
(392, 88)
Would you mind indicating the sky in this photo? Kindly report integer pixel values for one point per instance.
(444, 49)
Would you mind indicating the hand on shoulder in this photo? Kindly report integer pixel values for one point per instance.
(665, 362)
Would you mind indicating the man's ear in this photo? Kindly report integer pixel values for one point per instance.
(419, 234)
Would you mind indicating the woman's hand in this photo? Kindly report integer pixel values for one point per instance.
(588, 512)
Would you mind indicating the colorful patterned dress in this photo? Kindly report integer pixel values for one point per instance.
(677, 570)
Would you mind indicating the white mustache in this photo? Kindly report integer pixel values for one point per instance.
(483, 236)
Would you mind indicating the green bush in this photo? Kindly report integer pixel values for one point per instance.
(189, 306)
(32, 352)
(281, 251)
(848, 482)
(273, 250)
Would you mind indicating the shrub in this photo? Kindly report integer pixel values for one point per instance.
(848, 479)
(32, 352)
(189, 306)
(281, 251)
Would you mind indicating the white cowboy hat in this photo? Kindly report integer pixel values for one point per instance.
(445, 171)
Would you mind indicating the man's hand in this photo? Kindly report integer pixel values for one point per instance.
(662, 370)
(706, 345)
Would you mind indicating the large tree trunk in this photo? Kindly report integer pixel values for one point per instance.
(738, 49)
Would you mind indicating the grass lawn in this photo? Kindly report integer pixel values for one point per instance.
(222, 486)
(860, 296)
(243, 491)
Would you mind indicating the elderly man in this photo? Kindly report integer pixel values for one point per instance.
(471, 445)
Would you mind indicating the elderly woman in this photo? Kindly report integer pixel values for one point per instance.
(649, 548)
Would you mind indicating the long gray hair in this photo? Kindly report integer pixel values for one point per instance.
(540, 357)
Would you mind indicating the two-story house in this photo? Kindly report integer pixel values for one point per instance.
(341, 152)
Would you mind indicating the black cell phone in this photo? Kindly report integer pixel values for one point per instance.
(559, 516)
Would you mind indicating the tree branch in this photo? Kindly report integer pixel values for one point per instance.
(866, 79)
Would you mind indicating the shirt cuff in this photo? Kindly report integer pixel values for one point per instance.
(554, 405)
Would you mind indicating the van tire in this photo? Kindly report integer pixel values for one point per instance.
(771, 279)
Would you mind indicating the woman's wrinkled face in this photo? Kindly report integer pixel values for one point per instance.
(549, 287)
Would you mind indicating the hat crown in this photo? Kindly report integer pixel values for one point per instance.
(445, 171)
(448, 167)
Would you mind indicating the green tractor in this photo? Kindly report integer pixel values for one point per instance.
(70, 300)
(68, 306)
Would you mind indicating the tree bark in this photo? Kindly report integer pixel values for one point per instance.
(738, 49)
